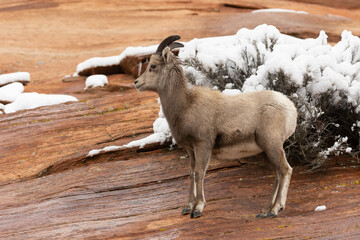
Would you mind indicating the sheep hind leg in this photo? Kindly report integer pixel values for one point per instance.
(273, 148)
(269, 204)
(189, 206)
(284, 171)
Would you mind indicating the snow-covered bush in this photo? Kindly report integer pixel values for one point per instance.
(323, 81)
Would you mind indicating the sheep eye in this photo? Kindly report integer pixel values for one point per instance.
(153, 66)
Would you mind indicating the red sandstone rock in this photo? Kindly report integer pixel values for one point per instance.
(51, 190)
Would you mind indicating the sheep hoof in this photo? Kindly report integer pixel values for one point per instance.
(185, 211)
(271, 215)
(195, 214)
(261, 215)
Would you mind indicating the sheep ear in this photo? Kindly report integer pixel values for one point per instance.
(166, 54)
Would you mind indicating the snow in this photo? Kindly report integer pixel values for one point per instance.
(14, 77)
(231, 92)
(161, 134)
(334, 68)
(229, 85)
(10, 92)
(320, 208)
(348, 150)
(279, 10)
(338, 147)
(2, 107)
(114, 60)
(97, 80)
(192, 73)
(34, 100)
(106, 149)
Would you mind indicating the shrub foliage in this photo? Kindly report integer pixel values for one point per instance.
(323, 90)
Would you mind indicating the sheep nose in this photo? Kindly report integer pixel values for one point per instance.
(136, 81)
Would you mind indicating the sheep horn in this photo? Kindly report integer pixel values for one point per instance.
(166, 42)
(175, 45)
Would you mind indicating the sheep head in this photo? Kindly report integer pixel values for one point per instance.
(161, 62)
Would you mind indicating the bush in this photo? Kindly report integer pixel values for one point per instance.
(228, 72)
(322, 81)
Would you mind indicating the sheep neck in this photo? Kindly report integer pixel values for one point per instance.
(175, 97)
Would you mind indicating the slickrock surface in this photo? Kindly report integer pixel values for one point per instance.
(49, 189)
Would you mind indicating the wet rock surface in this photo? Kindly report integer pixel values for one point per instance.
(49, 189)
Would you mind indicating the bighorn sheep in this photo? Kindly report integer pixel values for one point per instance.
(206, 123)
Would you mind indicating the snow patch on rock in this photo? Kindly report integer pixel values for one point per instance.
(320, 208)
(10, 92)
(114, 60)
(280, 10)
(161, 135)
(34, 100)
(2, 108)
(97, 80)
(14, 77)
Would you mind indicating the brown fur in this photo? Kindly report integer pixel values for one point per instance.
(207, 123)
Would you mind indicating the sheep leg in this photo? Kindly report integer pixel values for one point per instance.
(273, 148)
(189, 206)
(268, 206)
(284, 171)
(202, 159)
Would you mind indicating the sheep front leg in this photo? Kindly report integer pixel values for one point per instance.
(202, 159)
(189, 206)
